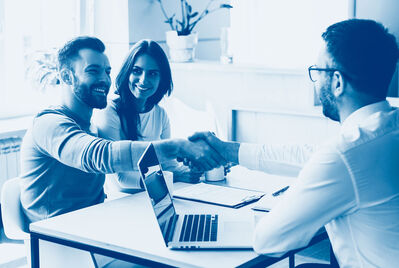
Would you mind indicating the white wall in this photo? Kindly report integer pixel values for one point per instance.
(147, 21)
(282, 33)
(254, 104)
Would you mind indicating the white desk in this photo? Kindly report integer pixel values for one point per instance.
(126, 228)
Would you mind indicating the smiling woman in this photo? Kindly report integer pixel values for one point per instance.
(144, 79)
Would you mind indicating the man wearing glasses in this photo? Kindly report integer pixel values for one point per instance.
(350, 185)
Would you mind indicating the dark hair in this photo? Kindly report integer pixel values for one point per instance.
(365, 52)
(70, 50)
(126, 103)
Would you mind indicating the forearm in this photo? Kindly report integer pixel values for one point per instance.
(275, 158)
(128, 180)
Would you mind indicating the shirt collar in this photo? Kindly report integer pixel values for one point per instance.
(361, 114)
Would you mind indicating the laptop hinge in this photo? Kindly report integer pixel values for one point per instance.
(171, 228)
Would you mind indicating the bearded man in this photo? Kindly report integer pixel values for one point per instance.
(351, 184)
(63, 162)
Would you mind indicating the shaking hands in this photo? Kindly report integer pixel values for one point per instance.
(204, 151)
(199, 155)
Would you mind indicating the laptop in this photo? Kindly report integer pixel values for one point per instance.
(190, 231)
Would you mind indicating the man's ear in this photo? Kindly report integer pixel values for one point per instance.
(66, 76)
(338, 84)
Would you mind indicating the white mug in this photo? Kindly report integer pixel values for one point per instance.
(216, 174)
(168, 175)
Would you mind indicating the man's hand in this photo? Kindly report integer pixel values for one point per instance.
(200, 155)
(186, 174)
(228, 150)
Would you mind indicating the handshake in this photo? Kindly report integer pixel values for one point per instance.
(203, 151)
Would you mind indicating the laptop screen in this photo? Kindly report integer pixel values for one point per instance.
(154, 183)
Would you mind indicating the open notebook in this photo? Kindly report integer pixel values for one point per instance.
(218, 195)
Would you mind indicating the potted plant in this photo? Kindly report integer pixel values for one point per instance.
(182, 40)
(41, 69)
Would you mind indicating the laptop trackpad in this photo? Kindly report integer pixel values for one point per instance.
(238, 231)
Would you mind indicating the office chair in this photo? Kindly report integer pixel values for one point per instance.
(14, 221)
(16, 227)
(185, 120)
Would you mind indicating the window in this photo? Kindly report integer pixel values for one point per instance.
(28, 27)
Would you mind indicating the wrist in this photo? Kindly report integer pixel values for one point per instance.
(168, 149)
(230, 152)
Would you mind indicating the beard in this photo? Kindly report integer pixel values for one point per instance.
(85, 94)
(329, 102)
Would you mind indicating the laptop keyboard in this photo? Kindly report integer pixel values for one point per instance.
(199, 228)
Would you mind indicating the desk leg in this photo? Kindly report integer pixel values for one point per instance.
(291, 260)
(34, 251)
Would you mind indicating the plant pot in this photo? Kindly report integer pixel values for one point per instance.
(181, 47)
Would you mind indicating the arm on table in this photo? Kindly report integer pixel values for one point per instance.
(323, 191)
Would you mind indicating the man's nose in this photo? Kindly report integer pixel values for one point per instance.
(105, 78)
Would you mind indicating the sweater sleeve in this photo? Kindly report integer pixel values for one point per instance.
(63, 139)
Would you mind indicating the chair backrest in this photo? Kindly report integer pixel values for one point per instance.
(184, 120)
(14, 220)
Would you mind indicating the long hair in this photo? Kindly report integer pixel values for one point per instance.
(126, 103)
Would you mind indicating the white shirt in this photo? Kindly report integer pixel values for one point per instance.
(350, 186)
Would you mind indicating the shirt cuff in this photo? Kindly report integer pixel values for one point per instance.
(248, 155)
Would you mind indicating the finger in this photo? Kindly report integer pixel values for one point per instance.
(204, 164)
(194, 179)
(217, 158)
(210, 157)
(196, 173)
(198, 136)
(226, 170)
(194, 167)
(185, 161)
(209, 160)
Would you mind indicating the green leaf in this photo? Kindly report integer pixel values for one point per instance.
(194, 14)
(226, 6)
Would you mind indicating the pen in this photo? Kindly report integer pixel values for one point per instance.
(279, 192)
(256, 208)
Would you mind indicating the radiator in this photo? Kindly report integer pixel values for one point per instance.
(9, 158)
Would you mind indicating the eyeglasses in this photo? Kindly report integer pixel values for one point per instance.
(313, 77)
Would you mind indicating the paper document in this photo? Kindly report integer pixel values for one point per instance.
(268, 201)
(219, 195)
